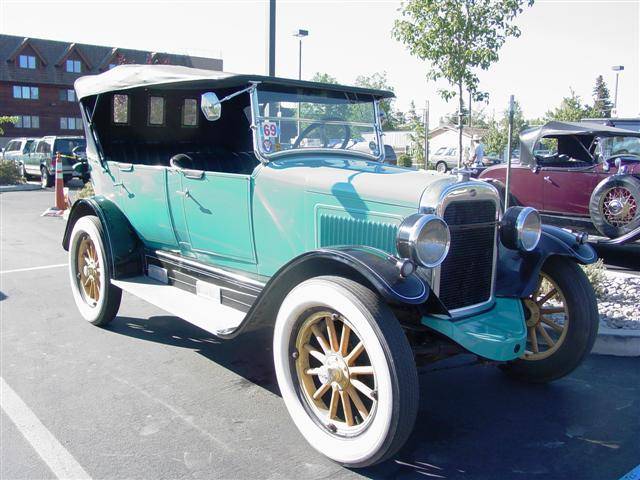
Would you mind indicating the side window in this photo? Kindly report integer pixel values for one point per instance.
(440, 151)
(190, 112)
(40, 147)
(28, 147)
(156, 111)
(121, 109)
(10, 147)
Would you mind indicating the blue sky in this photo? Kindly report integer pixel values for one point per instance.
(563, 44)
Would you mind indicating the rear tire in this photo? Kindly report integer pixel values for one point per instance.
(441, 167)
(46, 180)
(97, 299)
(383, 410)
(615, 206)
(575, 308)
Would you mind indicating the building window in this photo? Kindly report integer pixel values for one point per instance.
(70, 123)
(121, 108)
(26, 93)
(190, 112)
(74, 66)
(156, 111)
(27, 61)
(27, 121)
(67, 95)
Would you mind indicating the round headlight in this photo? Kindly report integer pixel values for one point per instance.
(424, 238)
(521, 228)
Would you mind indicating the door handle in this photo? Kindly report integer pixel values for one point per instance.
(125, 167)
(547, 179)
(183, 193)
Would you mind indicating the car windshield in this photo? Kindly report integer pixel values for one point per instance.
(66, 145)
(620, 146)
(328, 121)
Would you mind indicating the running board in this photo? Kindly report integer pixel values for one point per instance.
(202, 312)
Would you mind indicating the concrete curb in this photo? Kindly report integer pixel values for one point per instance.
(23, 187)
(617, 342)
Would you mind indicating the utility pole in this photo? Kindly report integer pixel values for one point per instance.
(426, 134)
(617, 69)
(508, 178)
(271, 39)
(470, 100)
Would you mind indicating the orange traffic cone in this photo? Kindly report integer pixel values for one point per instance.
(60, 202)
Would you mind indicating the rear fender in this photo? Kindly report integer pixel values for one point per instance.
(124, 249)
(517, 272)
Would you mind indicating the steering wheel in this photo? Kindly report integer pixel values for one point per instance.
(626, 154)
(325, 140)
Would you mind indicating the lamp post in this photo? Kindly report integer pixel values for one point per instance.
(300, 34)
(617, 69)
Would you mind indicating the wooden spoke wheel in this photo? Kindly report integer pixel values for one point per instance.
(88, 270)
(335, 373)
(547, 319)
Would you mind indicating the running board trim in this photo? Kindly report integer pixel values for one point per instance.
(198, 310)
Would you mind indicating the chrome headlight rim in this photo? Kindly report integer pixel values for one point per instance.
(517, 231)
(408, 239)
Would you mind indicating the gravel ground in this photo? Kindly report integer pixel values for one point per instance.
(620, 303)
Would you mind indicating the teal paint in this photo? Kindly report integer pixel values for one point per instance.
(345, 230)
(493, 334)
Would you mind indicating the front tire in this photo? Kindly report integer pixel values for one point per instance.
(441, 167)
(97, 299)
(46, 180)
(345, 370)
(562, 323)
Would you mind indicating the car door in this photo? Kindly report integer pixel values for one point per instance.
(526, 185)
(217, 209)
(567, 189)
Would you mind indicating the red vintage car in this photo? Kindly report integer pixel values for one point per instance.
(578, 175)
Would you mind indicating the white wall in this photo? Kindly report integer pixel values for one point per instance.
(448, 138)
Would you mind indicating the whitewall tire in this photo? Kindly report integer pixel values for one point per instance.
(366, 384)
(90, 273)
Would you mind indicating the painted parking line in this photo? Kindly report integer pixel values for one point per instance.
(57, 458)
(29, 269)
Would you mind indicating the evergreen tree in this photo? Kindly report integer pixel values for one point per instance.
(601, 100)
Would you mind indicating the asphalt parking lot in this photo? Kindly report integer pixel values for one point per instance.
(154, 397)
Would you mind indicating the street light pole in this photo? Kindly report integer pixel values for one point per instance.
(300, 33)
(271, 39)
(617, 69)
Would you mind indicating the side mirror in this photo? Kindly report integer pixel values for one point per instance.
(210, 106)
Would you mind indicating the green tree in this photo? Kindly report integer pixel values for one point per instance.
(497, 136)
(602, 104)
(457, 37)
(6, 119)
(323, 78)
(379, 81)
(571, 109)
(411, 116)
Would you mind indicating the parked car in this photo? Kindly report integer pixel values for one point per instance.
(40, 159)
(16, 149)
(446, 158)
(352, 267)
(578, 175)
(625, 123)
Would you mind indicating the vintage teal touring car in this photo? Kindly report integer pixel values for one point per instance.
(243, 202)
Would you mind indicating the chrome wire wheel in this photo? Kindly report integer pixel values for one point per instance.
(336, 378)
(619, 207)
(88, 270)
(547, 319)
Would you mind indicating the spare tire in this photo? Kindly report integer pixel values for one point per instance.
(615, 205)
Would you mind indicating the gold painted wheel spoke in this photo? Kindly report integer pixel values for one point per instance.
(534, 340)
(357, 401)
(344, 339)
(322, 390)
(346, 406)
(547, 297)
(333, 404)
(548, 340)
(368, 370)
(321, 340)
(355, 353)
(552, 324)
(362, 387)
(333, 336)
(552, 310)
(313, 371)
(314, 353)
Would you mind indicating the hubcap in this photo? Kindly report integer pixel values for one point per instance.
(619, 207)
(88, 271)
(335, 375)
(547, 319)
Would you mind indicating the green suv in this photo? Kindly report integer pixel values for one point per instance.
(247, 203)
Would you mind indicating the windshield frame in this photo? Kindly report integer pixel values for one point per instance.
(268, 157)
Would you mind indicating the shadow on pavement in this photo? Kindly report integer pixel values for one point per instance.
(473, 422)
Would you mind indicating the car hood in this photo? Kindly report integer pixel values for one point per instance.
(360, 179)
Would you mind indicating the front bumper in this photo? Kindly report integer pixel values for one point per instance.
(497, 334)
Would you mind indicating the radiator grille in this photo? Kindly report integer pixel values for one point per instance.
(466, 274)
(338, 230)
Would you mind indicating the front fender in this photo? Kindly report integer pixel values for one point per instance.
(517, 272)
(124, 249)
